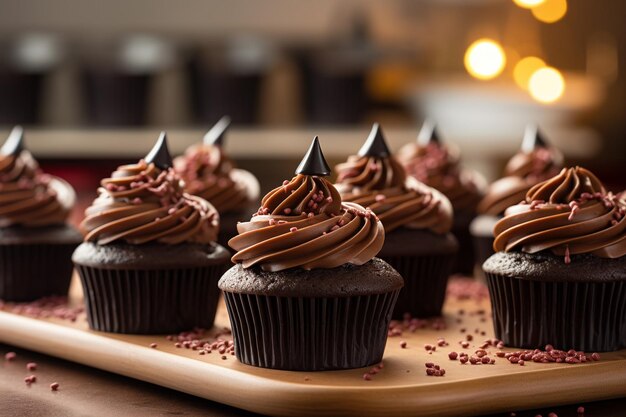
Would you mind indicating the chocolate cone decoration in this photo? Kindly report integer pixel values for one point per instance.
(160, 154)
(314, 162)
(216, 135)
(533, 139)
(375, 144)
(428, 133)
(14, 143)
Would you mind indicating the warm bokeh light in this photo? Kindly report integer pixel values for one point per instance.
(528, 4)
(550, 11)
(525, 68)
(485, 59)
(546, 85)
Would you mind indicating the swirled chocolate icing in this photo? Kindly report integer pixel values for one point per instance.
(142, 203)
(303, 223)
(535, 162)
(28, 197)
(438, 166)
(210, 174)
(376, 180)
(568, 214)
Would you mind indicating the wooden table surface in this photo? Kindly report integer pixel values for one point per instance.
(85, 392)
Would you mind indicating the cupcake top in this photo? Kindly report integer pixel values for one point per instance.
(303, 223)
(29, 197)
(210, 174)
(145, 203)
(568, 214)
(536, 161)
(375, 179)
(438, 165)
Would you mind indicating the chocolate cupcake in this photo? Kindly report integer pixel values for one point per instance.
(149, 263)
(559, 274)
(36, 244)
(211, 175)
(417, 221)
(438, 165)
(306, 292)
(535, 162)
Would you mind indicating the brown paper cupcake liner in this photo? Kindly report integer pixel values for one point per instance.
(310, 334)
(568, 315)
(425, 282)
(32, 271)
(150, 301)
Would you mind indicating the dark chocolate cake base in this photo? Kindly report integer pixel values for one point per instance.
(538, 299)
(36, 262)
(316, 320)
(150, 289)
(424, 260)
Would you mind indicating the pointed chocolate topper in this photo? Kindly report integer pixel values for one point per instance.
(14, 143)
(428, 133)
(533, 139)
(375, 144)
(216, 135)
(314, 162)
(160, 154)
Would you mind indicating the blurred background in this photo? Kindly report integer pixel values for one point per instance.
(93, 82)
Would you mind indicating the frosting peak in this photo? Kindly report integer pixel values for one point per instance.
(376, 180)
(569, 214)
(211, 175)
(28, 197)
(142, 203)
(438, 166)
(303, 223)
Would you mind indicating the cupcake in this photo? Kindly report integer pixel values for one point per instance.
(535, 162)
(559, 274)
(306, 292)
(149, 262)
(211, 175)
(438, 165)
(36, 244)
(417, 221)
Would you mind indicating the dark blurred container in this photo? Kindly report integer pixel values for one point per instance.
(113, 98)
(227, 79)
(25, 63)
(117, 79)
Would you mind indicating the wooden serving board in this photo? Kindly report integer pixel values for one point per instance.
(401, 388)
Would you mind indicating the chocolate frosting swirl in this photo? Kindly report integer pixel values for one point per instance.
(30, 198)
(380, 184)
(523, 170)
(303, 223)
(211, 175)
(141, 203)
(438, 166)
(568, 214)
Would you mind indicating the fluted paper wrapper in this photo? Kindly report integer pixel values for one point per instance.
(425, 282)
(29, 272)
(310, 334)
(150, 301)
(587, 316)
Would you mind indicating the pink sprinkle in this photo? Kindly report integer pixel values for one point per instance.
(54, 386)
(367, 377)
(10, 356)
(287, 210)
(403, 344)
(380, 197)
(580, 410)
(153, 345)
(311, 214)
(137, 200)
(293, 229)
(568, 260)
(285, 182)
(595, 356)
(329, 199)
(31, 366)
(271, 222)
(30, 379)
(453, 355)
